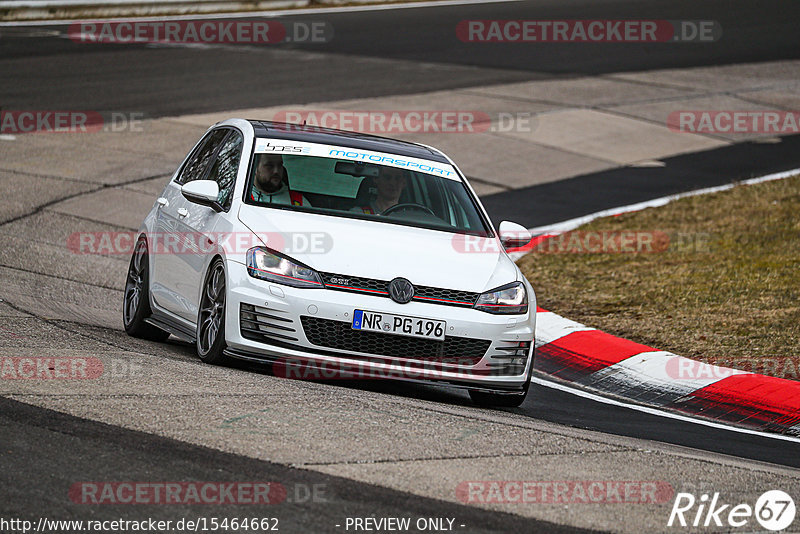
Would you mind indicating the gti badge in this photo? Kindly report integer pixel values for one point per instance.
(401, 290)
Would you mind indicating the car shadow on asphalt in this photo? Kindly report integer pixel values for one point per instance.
(396, 388)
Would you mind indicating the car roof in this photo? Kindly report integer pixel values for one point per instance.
(329, 136)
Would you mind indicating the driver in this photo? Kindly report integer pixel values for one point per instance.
(390, 184)
(271, 184)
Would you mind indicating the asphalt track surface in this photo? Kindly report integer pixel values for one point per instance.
(67, 448)
(372, 53)
(42, 71)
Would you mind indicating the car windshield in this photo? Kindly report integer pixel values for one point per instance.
(353, 188)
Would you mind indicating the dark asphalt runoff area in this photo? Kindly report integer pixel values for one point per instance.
(544, 204)
(374, 53)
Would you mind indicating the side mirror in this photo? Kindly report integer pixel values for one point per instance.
(203, 192)
(513, 235)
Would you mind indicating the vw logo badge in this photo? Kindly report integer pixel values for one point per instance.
(401, 290)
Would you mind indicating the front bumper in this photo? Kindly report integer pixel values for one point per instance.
(269, 322)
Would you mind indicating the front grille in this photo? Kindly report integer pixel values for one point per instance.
(445, 296)
(341, 282)
(265, 325)
(340, 335)
(372, 286)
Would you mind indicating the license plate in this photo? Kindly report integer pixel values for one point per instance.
(398, 324)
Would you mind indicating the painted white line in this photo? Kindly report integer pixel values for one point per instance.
(7, 137)
(272, 13)
(571, 224)
(660, 413)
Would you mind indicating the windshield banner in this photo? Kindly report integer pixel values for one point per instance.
(298, 148)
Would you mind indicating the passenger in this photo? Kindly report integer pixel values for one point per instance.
(271, 183)
(390, 184)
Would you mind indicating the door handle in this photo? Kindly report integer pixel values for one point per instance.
(183, 212)
(162, 202)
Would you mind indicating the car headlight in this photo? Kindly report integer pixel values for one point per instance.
(508, 299)
(269, 265)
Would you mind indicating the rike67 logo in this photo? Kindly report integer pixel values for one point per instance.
(774, 510)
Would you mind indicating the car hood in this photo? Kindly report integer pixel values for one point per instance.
(353, 247)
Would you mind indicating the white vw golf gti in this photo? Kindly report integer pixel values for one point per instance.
(317, 248)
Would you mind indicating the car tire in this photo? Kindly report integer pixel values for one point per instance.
(136, 299)
(210, 338)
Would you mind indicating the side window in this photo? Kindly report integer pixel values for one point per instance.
(195, 168)
(226, 166)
